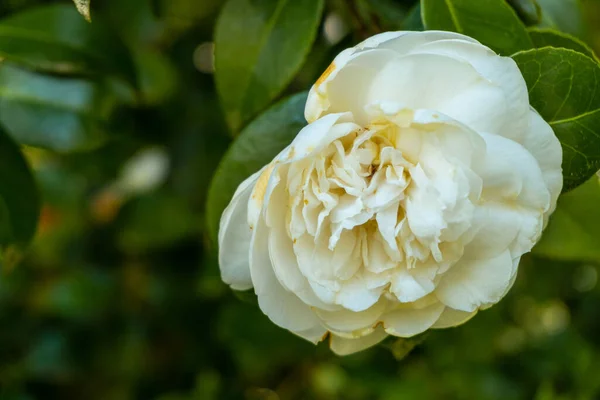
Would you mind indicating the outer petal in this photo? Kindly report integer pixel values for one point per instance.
(470, 284)
(345, 323)
(345, 86)
(407, 43)
(234, 238)
(344, 346)
(282, 307)
(408, 321)
(315, 334)
(398, 43)
(513, 277)
(317, 102)
(357, 72)
(514, 199)
(501, 71)
(417, 81)
(511, 173)
(498, 227)
(543, 144)
(451, 317)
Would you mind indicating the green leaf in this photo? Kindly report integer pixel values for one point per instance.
(414, 20)
(493, 22)
(255, 147)
(564, 15)
(574, 229)
(83, 6)
(544, 37)
(62, 114)
(259, 47)
(56, 39)
(19, 198)
(384, 14)
(528, 10)
(564, 87)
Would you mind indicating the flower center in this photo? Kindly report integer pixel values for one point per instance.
(362, 210)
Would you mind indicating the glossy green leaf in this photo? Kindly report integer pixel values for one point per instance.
(528, 10)
(564, 87)
(255, 147)
(574, 229)
(413, 20)
(259, 47)
(56, 39)
(544, 37)
(564, 15)
(384, 14)
(19, 198)
(83, 6)
(492, 22)
(63, 114)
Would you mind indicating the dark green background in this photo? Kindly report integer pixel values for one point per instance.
(122, 299)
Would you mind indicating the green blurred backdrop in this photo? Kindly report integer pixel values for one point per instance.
(119, 296)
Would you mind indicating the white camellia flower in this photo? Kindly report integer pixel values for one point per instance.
(406, 203)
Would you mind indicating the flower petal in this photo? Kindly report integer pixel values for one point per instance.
(543, 144)
(344, 346)
(414, 284)
(501, 71)
(281, 251)
(316, 135)
(409, 321)
(345, 322)
(498, 227)
(330, 96)
(451, 317)
(363, 58)
(416, 81)
(234, 238)
(471, 284)
(282, 307)
(511, 173)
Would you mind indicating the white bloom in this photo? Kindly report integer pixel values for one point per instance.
(406, 203)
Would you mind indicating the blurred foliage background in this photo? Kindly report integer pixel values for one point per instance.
(119, 295)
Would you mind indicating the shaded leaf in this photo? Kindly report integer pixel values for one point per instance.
(255, 147)
(83, 6)
(56, 39)
(528, 10)
(564, 15)
(63, 114)
(413, 20)
(564, 87)
(259, 47)
(544, 37)
(493, 22)
(574, 229)
(19, 197)
(386, 14)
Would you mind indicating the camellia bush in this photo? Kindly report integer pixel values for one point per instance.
(299, 199)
